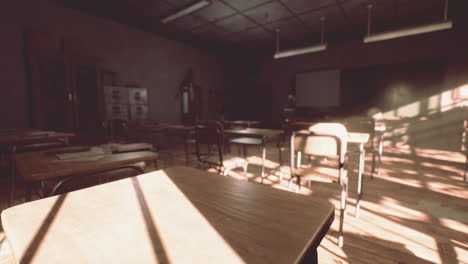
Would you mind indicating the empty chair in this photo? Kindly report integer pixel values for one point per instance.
(322, 140)
(211, 133)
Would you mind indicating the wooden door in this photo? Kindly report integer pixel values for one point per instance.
(50, 92)
(87, 97)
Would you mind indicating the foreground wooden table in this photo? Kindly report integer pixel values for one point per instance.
(177, 215)
(34, 167)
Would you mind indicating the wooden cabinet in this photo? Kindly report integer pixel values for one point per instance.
(65, 89)
(130, 104)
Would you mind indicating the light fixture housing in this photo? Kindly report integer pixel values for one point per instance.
(187, 10)
(299, 51)
(304, 50)
(410, 31)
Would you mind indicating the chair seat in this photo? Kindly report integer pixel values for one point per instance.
(229, 161)
(318, 172)
(247, 141)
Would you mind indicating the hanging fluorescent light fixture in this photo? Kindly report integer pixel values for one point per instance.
(299, 51)
(183, 12)
(444, 25)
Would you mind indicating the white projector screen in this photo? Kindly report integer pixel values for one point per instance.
(318, 89)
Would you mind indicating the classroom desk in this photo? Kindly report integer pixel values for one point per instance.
(359, 139)
(21, 137)
(36, 167)
(176, 215)
(184, 130)
(247, 136)
(11, 139)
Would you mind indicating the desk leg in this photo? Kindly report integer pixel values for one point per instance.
(380, 153)
(280, 159)
(373, 164)
(29, 188)
(186, 149)
(12, 175)
(362, 159)
(263, 160)
(466, 165)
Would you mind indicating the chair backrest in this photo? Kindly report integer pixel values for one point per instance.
(209, 132)
(321, 139)
(361, 124)
(296, 126)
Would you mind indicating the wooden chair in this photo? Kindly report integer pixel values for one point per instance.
(211, 133)
(323, 140)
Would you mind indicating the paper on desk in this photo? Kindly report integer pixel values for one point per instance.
(90, 158)
(93, 154)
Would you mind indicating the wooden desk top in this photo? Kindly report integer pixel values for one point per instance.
(177, 215)
(358, 138)
(162, 126)
(242, 122)
(31, 136)
(380, 127)
(255, 132)
(37, 166)
(119, 148)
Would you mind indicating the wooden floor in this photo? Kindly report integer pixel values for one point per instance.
(416, 211)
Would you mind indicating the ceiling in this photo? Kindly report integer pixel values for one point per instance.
(238, 25)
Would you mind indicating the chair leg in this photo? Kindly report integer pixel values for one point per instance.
(155, 163)
(290, 181)
(344, 195)
(379, 156)
(298, 184)
(466, 166)
(245, 171)
(263, 160)
(373, 164)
